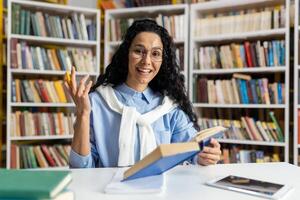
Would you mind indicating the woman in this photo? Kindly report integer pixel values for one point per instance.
(139, 103)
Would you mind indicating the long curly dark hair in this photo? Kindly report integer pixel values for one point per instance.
(169, 81)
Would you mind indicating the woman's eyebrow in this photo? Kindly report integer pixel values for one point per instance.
(141, 45)
(160, 48)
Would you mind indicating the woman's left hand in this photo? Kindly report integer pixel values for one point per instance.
(210, 154)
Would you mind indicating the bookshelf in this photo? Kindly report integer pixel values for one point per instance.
(40, 113)
(296, 85)
(115, 17)
(215, 34)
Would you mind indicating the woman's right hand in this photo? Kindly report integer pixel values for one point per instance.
(80, 93)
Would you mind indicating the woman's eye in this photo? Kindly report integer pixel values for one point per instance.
(138, 51)
(156, 53)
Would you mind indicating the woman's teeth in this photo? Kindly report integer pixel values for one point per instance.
(144, 70)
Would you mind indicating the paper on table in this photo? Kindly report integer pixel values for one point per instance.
(150, 184)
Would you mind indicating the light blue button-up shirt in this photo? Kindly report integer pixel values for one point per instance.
(174, 126)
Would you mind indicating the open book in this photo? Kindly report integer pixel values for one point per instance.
(166, 156)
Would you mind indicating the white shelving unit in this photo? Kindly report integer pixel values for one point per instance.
(147, 12)
(296, 83)
(198, 10)
(61, 10)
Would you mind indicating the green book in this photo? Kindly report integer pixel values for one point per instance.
(22, 24)
(26, 184)
(278, 129)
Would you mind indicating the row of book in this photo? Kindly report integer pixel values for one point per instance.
(24, 56)
(75, 26)
(241, 21)
(39, 90)
(173, 23)
(248, 54)
(238, 155)
(25, 123)
(239, 91)
(247, 128)
(39, 156)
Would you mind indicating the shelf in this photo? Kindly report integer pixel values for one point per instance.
(117, 43)
(42, 104)
(63, 9)
(43, 137)
(114, 43)
(206, 105)
(241, 36)
(251, 142)
(179, 41)
(48, 72)
(51, 40)
(240, 70)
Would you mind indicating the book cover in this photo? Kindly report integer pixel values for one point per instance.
(167, 156)
(32, 184)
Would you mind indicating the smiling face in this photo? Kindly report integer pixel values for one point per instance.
(144, 60)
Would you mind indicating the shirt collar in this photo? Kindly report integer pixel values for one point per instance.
(148, 93)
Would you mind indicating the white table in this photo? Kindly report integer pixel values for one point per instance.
(187, 182)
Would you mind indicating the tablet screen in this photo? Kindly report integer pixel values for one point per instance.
(257, 186)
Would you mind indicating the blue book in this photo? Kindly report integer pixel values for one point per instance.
(245, 91)
(282, 47)
(167, 156)
(279, 92)
(271, 55)
(253, 90)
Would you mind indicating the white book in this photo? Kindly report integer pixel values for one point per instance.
(83, 27)
(229, 91)
(39, 57)
(158, 19)
(29, 63)
(68, 60)
(220, 97)
(262, 131)
(56, 125)
(145, 185)
(235, 91)
(64, 28)
(276, 18)
(13, 126)
(66, 125)
(70, 29)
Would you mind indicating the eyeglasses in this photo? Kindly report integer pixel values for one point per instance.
(156, 54)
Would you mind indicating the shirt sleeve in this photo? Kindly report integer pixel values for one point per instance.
(183, 130)
(181, 126)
